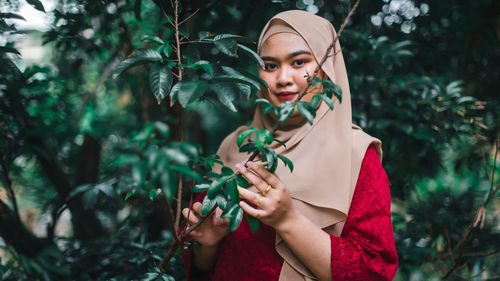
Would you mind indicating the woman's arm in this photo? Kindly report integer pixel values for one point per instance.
(365, 251)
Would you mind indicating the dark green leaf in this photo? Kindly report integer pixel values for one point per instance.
(125, 159)
(221, 200)
(244, 89)
(217, 184)
(36, 4)
(243, 135)
(226, 171)
(11, 16)
(200, 187)
(269, 156)
(307, 110)
(187, 92)
(252, 54)
(264, 136)
(253, 222)
(242, 181)
(204, 34)
(186, 171)
(227, 46)
(160, 80)
(130, 193)
(139, 56)
(287, 162)
(233, 191)
(326, 99)
(207, 205)
(249, 147)
(226, 94)
(153, 38)
(235, 218)
(285, 111)
(162, 128)
(9, 50)
(237, 38)
(230, 207)
(203, 64)
(253, 77)
(280, 142)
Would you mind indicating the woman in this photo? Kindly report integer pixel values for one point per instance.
(330, 218)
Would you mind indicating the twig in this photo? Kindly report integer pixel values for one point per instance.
(479, 212)
(190, 16)
(170, 217)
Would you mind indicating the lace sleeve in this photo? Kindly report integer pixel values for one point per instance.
(366, 248)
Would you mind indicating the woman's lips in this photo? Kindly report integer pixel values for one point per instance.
(286, 95)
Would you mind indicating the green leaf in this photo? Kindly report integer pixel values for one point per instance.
(286, 161)
(186, 171)
(263, 101)
(9, 50)
(241, 181)
(232, 189)
(269, 156)
(243, 135)
(153, 39)
(264, 136)
(204, 65)
(204, 34)
(285, 111)
(217, 184)
(244, 89)
(230, 207)
(139, 171)
(200, 187)
(253, 222)
(11, 16)
(252, 54)
(160, 80)
(307, 110)
(207, 205)
(130, 194)
(237, 38)
(253, 77)
(188, 91)
(139, 56)
(331, 88)
(326, 99)
(235, 218)
(226, 171)
(36, 4)
(249, 147)
(162, 128)
(226, 93)
(280, 142)
(221, 200)
(227, 46)
(137, 9)
(125, 159)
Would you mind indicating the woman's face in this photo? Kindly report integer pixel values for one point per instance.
(287, 60)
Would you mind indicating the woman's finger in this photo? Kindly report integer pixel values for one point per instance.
(265, 174)
(192, 217)
(217, 220)
(197, 208)
(251, 197)
(256, 213)
(257, 181)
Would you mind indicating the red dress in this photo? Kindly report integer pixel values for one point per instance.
(365, 250)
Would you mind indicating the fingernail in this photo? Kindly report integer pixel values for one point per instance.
(239, 167)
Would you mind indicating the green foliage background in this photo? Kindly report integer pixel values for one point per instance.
(71, 137)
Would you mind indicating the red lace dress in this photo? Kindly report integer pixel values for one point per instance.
(365, 250)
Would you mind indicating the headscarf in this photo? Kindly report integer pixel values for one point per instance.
(327, 155)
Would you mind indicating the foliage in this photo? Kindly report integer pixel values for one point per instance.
(428, 92)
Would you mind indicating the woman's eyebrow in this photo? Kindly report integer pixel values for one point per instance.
(294, 54)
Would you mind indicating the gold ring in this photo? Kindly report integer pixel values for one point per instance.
(267, 190)
(258, 202)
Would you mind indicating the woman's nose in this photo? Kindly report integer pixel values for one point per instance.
(284, 77)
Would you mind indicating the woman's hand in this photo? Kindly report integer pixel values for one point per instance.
(273, 204)
(212, 230)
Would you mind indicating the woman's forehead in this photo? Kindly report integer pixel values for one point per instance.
(283, 43)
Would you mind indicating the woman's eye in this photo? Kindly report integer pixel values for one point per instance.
(299, 62)
(270, 66)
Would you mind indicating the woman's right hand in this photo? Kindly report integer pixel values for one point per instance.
(212, 230)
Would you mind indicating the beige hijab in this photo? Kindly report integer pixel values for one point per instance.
(327, 155)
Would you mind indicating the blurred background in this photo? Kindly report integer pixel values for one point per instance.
(424, 79)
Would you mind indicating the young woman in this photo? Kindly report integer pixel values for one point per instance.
(329, 219)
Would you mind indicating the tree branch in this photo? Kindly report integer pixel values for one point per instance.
(8, 185)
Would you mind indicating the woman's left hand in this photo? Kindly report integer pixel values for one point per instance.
(273, 204)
